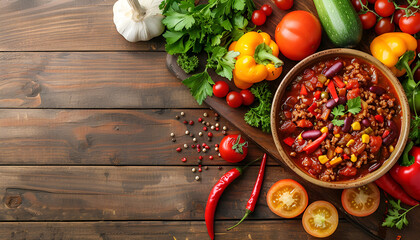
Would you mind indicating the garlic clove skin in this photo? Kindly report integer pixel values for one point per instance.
(140, 22)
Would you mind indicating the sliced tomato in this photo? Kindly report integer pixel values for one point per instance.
(320, 219)
(287, 198)
(361, 201)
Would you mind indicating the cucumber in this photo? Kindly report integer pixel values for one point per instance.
(340, 21)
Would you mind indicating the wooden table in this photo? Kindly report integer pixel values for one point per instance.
(85, 148)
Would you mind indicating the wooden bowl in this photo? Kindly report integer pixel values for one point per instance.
(405, 121)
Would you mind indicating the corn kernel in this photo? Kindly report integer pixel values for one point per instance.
(353, 158)
(300, 136)
(345, 82)
(326, 83)
(349, 143)
(324, 130)
(323, 159)
(356, 126)
(337, 135)
(365, 138)
(336, 160)
(391, 149)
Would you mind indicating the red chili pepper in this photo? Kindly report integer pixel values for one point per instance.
(315, 144)
(250, 206)
(289, 141)
(216, 193)
(345, 156)
(317, 95)
(388, 184)
(332, 90)
(312, 108)
(303, 90)
(338, 81)
(407, 171)
(379, 118)
(386, 133)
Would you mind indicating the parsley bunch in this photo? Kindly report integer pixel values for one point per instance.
(210, 27)
(354, 106)
(397, 215)
(259, 116)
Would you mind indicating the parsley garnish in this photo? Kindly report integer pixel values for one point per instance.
(394, 217)
(354, 106)
(259, 116)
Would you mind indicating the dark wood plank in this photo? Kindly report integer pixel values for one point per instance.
(89, 80)
(173, 230)
(107, 137)
(64, 25)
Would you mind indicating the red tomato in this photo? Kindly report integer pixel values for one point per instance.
(233, 148)
(399, 13)
(375, 143)
(354, 93)
(288, 127)
(384, 8)
(361, 201)
(234, 99)
(368, 20)
(284, 4)
(410, 25)
(247, 96)
(258, 17)
(384, 25)
(220, 89)
(287, 198)
(298, 35)
(266, 9)
(320, 219)
(356, 4)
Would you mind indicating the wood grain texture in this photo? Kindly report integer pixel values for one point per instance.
(89, 80)
(173, 230)
(64, 25)
(107, 137)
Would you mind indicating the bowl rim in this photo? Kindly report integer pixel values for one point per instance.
(405, 117)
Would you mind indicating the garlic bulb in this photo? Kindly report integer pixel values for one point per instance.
(138, 21)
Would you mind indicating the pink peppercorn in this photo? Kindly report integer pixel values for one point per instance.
(204, 128)
(184, 159)
(179, 149)
(200, 157)
(217, 129)
(191, 122)
(207, 147)
(200, 119)
(211, 157)
(199, 169)
(210, 134)
(185, 122)
(216, 145)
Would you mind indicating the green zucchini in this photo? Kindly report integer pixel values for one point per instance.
(340, 21)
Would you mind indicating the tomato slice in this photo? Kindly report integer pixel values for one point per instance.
(287, 198)
(320, 219)
(361, 201)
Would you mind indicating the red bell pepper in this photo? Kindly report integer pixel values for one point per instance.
(332, 90)
(407, 171)
(315, 144)
(303, 90)
(289, 141)
(312, 108)
(317, 95)
(338, 81)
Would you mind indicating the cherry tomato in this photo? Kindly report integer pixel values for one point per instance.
(284, 4)
(287, 198)
(320, 219)
(258, 17)
(234, 99)
(220, 89)
(298, 35)
(399, 13)
(356, 4)
(361, 201)
(368, 20)
(384, 25)
(410, 25)
(384, 8)
(266, 9)
(248, 97)
(233, 148)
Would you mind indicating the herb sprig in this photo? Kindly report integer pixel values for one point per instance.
(259, 116)
(397, 215)
(354, 106)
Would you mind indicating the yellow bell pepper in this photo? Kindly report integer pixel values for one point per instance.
(257, 60)
(389, 47)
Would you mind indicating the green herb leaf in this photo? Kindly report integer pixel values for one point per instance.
(354, 105)
(337, 122)
(338, 111)
(200, 86)
(259, 115)
(397, 215)
(178, 21)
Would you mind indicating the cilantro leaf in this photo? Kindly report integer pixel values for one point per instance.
(178, 21)
(338, 111)
(200, 86)
(337, 122)
(397, 215)
(259, 116)
(239, 4)
(354, 105)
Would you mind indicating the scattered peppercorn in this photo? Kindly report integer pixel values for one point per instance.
(200, 157)
(185, 145)
(205, 114)
(216, 114)
(216, 125)
(212, 127)
(176, 117)
(203, 122)
(216, 145)
(217, 129)
(219, 155)
(179, 149)
(224, 132)
(207, 147)
(219, 167)
(185, 122)
(191, 135)
(210, 134)
(205, 167)
(209, 139)
(184, 159)
(187, 132)
(193, 146)
(204, 128)
(199, 162)
(199, 169)
(194, 139)
(224, 128)
(173, 140)
(204, 149)
(200, 134)
(182, 113)
(197, 178)
(207, 124)
(193, 170)
(216, 119)
(191, 122)
(211, 157)
(200, 119)
(216, 149)
(172, 134)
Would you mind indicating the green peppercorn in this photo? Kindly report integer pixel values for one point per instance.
(324, 95)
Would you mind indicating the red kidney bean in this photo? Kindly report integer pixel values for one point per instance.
(311, 134)
(374, 166)
(347, 124)
(378, 90)
(391, 124)
(334, 69)
(331, 103)
(330, 127)
(366, 122)
(342, 100)
(389, 139)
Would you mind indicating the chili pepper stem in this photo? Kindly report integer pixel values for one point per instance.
(240, 221)
(240, 169)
